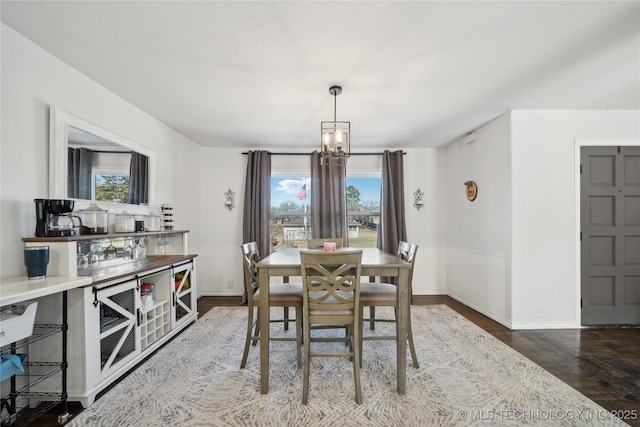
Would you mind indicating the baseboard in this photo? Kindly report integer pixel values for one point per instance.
(481, 310)
(559, 325)
(228, 293)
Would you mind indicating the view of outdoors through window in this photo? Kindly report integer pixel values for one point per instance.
(111, 188)
(291, 211)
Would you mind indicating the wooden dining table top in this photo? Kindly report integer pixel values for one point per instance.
(371, 257)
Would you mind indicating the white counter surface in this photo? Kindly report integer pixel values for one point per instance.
(17, 289)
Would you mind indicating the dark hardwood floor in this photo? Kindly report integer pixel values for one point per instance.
(601, 363)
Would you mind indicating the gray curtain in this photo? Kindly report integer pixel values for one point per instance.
(79, 163)
(329, 199)
(257, 198)
(393, 227)
(138, 182)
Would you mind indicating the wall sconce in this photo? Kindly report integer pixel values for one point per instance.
(230, 202)
(418, 203)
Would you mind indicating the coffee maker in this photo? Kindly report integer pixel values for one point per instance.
(53, 219)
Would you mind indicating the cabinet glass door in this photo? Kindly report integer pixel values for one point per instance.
(184, 300)
(118, 342)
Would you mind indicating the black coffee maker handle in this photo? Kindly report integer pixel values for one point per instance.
(42, 213)
(79, 219)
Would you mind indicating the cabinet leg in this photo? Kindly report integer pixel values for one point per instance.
(11, 410)
(64, 418)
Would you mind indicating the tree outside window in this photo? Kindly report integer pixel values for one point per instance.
(111, 187)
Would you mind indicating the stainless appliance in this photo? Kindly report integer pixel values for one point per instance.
(54, 219)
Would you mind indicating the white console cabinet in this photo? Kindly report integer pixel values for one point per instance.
(113, 323)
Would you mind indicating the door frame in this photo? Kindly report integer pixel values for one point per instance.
(578, 144)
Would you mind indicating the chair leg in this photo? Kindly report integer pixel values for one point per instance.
(347, 334)
(285, 279)
(286, 318)
(256, 331)
(357, 360)
(299, 334)
(248, 338)
(361, 329)
(412, 347)
(307, 359)
(372, 317)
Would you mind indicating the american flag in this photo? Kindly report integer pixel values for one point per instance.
(302, 194)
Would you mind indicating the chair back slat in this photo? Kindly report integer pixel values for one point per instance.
(407, 252)
(331, 279)
(251, 256)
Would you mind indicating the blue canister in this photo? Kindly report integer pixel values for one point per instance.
(36, 259)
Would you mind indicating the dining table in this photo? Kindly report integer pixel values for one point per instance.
(375, 262)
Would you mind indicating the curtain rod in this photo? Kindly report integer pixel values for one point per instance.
(308, 154)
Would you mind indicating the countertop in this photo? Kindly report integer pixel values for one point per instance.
(17, 289)
(151, 262)
(81, 237)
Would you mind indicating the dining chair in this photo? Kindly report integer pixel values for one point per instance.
(319, 243)
(331, 288)
(373, 294)
(280, 295)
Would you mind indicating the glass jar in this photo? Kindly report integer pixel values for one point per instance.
(95, 220)
(139, 250)
(125, 223)
(152, 222)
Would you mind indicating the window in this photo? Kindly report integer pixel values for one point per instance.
(291, 205)
(363, 211)
(110, 185)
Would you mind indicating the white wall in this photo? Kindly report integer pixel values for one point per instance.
(545, 239)
(512, 253)
(220, 270)
(219, 266)
(479, 232)
(427, 227)
(31, 81)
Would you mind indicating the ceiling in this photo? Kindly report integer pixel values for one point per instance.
(414, 74)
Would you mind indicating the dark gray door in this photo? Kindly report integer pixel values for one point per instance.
(610, 225)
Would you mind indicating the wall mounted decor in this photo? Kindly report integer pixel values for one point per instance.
(472, 190)
(418, 203)
(230, 202)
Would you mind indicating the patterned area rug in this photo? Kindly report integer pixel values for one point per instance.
(466, 377)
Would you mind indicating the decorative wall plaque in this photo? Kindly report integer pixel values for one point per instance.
(472, 190)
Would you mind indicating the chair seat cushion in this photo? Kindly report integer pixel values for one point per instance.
(377, 292)
(282, 292)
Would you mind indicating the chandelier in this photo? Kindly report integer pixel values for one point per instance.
(335, 136)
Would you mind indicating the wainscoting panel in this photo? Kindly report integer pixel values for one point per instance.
(478, 280)
(430, 271)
